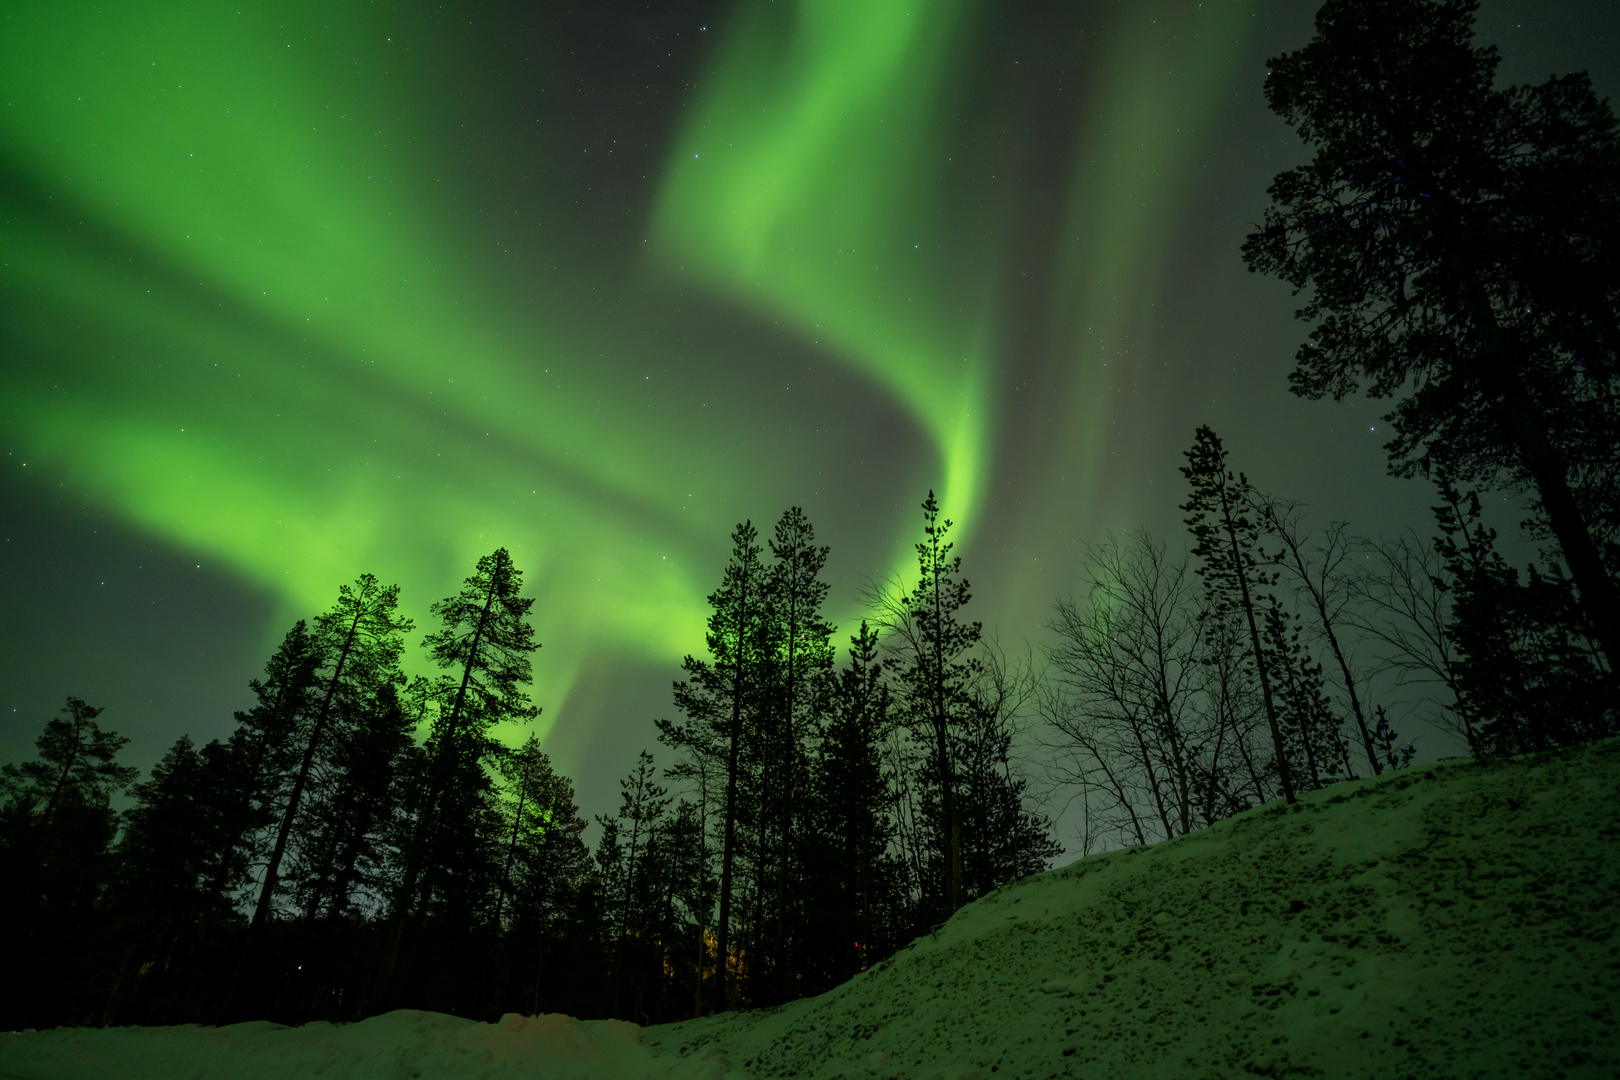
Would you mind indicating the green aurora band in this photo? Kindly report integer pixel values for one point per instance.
(244, 312)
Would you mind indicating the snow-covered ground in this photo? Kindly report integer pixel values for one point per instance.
(1451, 922)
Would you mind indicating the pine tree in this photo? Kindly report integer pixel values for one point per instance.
(642, 805)
(853, 891)
(485, 638)
(804, 650)
(1528, 676)
(75, 768)
(718, 697)
(359, 795)
(1461, 240)
(1226, 542)
(690, 899)
(263, 753)
(361, 639)
(935, 667)
(702, 770)
(636, 872)
(56, 823)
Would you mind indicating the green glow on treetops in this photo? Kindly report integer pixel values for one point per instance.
(249, 308)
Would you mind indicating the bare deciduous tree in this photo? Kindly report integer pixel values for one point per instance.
(1319, 564)
(1154, 742)
(1406, 608)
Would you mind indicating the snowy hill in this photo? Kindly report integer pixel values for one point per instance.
(1453, 922)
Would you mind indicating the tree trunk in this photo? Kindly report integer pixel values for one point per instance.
(729, 848)
(424, 824)
(1528, 428)
(1254, 639)
(262, 910)
(953, 828)
(1319, 599)
(790, 747)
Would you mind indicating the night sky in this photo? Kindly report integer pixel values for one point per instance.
(291, 292)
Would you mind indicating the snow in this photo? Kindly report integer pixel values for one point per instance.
(1455, 921)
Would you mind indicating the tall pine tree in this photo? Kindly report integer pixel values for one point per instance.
(718, 697)
(1459, 242)
(361, 639)
(934, 662)
(1227, 539)
(486, 642)
(804, 650)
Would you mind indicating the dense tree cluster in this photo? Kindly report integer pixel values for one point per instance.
(1456, 242)
(1460, 246)
(353, 842)
(1459, 242)
(1267, 661)
(363, 841)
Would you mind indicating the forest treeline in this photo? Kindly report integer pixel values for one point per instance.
(362, 841)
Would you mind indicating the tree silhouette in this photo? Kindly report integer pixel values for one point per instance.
(56, 823)
(934, 664)
(1226, 541)
(716, 697)
(486, 637)
(853, 890)
(804, 650)
(1464, 242)
(361, 638)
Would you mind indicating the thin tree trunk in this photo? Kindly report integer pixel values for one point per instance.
(424, 824)
(262, 910)
(511, 850)
(1254, 638)
(790, 755)
(728, 851)
(1319, 599)
(953, 871)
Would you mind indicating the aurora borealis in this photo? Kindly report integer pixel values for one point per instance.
(294, 291)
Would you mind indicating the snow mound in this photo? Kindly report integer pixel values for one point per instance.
(1453, 922)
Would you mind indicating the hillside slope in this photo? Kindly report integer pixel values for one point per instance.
(1450, 922)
